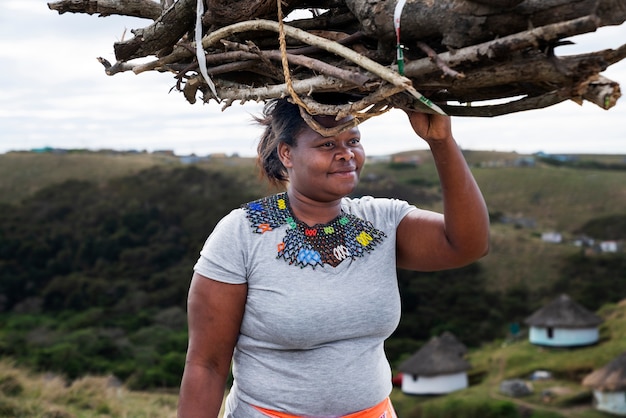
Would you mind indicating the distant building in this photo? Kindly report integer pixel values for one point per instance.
(609, 386)
(167, 152)
(563, 323)
(552, 237)
(406, 159)
(437, 368)
(609, 246)
(373, 159)
(192, 159)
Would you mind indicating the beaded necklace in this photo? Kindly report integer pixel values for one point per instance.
(347, 236)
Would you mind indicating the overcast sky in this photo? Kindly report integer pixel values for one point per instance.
(55, 93)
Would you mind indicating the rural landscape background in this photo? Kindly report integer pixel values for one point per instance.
(97, 249)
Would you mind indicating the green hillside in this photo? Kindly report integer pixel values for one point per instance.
(508, 359)
(96, 252)
(23, 173)
(24, 394)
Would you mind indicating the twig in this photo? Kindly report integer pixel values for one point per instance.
(313, 49)
(504, 46)
(439, 62)
(358, 118)
(308, 62)
(526, 103)
(118, 67)
(316, 83)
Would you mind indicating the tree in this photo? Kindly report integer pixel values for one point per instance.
(376, 53)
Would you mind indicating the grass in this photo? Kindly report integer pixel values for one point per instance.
(510, 251)
(27, 395)
(24, 394)
(560, 199)
(24, 173)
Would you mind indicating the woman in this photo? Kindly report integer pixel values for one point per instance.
(299, 289)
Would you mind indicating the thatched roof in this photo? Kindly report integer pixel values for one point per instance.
(441, 355)
(563, 312)
(610, 378)
(451, 342)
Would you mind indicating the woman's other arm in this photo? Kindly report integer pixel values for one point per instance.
(215, 311)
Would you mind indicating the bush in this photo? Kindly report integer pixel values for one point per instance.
(11, 408)
(545, 414)
(10, 385)
(90, 393)
(457, 408)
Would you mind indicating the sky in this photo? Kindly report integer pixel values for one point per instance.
(54, 93)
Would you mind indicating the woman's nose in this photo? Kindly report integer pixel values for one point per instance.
(345, 153)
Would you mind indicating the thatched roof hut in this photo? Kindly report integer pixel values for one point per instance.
(438, 367)
(610, 378)
(563, 312)
(564, 323)
(609, 386)
(441, 355)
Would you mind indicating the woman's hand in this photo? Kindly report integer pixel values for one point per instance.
(431, 128)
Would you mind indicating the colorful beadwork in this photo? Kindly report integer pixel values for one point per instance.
(347, 236)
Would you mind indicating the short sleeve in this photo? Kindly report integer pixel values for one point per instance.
(223, 256)
(380, 211)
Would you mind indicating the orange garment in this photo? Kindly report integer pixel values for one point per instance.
(381, 410)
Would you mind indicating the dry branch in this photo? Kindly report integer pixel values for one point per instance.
(137, 8)
(457, 51)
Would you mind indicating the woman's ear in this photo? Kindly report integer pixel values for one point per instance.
(284, 154)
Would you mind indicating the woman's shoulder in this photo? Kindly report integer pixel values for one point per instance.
(369, 207)
(233, 221)
(372, 202)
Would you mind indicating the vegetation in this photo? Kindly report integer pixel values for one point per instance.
(28, 395)
(95, 262)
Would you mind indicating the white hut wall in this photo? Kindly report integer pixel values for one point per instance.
(433, 385)
(611, 402)
(563, 337)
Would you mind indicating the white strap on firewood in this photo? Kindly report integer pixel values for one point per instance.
(397, 14)
(200, 51)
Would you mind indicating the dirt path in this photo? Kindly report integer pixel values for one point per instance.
(570, 412)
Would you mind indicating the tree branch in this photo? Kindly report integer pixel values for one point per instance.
(165, 32)
(146, 9)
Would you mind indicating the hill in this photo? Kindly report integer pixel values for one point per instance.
(25, 394)
(96, 256)
(526, 195)
(508, 359)
(24, 173)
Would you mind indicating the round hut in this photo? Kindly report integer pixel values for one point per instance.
(609, 386)
(563, 323)
(436, 368)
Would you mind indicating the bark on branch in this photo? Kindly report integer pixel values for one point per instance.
(456, 51)
(147, 9)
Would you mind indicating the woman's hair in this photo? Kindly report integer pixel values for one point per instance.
(282, 122)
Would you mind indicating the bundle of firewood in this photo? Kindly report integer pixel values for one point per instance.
(460, 57)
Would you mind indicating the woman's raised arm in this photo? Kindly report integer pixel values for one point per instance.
(431, 241)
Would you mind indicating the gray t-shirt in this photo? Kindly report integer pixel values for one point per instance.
(311, 340)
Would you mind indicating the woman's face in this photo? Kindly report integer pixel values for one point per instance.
(324, 168)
